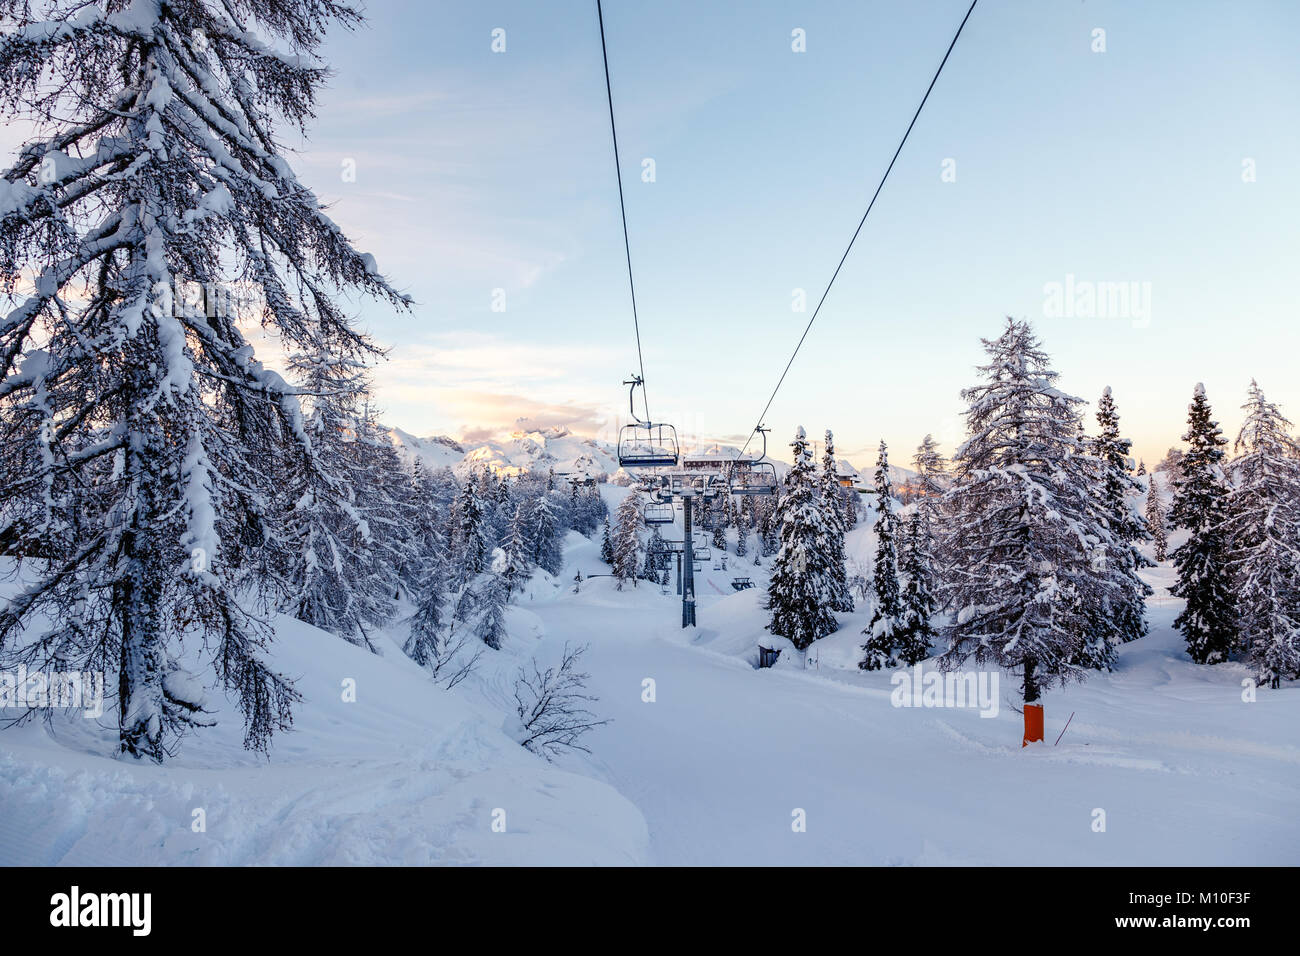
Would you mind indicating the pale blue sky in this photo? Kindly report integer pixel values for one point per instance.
(477, 171)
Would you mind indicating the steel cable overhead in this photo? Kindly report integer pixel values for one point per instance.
(861, 223)
(627, 246)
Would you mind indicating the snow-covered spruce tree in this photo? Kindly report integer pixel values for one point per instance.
(1142, 468)
(882, 633)
(426, 537)
(386, 498)
(432, 588)
(607, 544)
(1121, 615)
(591, 511)
(585, 508)
(762, 527)
(547, 535)
(742, 530)
(498, 504)
(1018, 525)
(518, 567)
(849, 500)
(914, 635)
(328, 573)
(1208, 622)
(1263, 526)
(157, 166)
(491, 604)
(836, 527)
(1156, 519)
(720, 532)
(655, 553)
(931, 468)
(1169, 464)
(471, 545)
(424, 638)
(627, 540)
(801, 590)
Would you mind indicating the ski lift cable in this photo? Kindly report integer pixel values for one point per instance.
(861, 223)
(618, 170)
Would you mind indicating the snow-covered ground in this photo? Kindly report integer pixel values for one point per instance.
(715, 770)
(405, 774)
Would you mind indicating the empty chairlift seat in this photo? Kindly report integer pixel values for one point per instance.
(645, 445)
(752, 478)
(657, 513)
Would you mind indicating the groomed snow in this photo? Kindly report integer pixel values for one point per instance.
(711, 772)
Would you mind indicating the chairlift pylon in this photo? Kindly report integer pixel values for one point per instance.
(643, 444)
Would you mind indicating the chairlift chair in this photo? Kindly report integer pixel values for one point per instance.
(657, 513)
(643, 444)
(753, 476)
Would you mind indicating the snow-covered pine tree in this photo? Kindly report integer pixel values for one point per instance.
(547, 535)
(1142, 468)
(386, 500)
(502, 509)
(425, 635)
(327, 571)
(156, 169)
(880, 650)
(627, 540)
(495, 524)
(833, 503)
(720, 531)
(801, 589)
(1263, 527)
(742, 529)
(762, 518)
(1018, 526)
(591, 511)
(517, 567)
(931, 468)
(607, 545)
(914, 635)
(1121, 615)
(1169, 464)
(654, 555)
(471, 547)
(493, 596)
(1208, 622)
(1156, 519)
(431, 590)
(767, 526)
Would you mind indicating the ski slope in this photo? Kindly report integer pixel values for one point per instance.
(713, 771)
(1186, 772)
